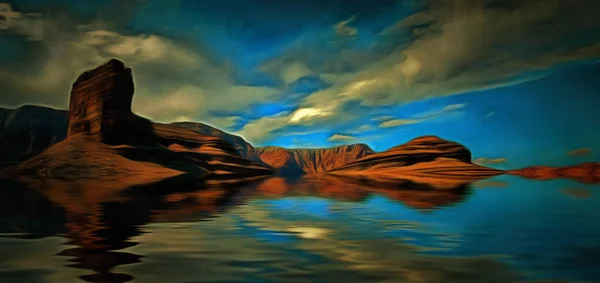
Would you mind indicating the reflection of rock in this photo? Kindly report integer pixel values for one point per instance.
(100, 219)
(307, 161)
(577, 192)
(588, 172)
(107, 142)
(314, 185)
(489, 184)
(416, 195)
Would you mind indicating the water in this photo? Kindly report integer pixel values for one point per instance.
(505, 229)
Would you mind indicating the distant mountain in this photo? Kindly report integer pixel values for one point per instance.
(308, 161)
(28, 130)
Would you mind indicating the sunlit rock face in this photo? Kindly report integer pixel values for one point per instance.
(421, 149)
(312, 160)
(100, 106)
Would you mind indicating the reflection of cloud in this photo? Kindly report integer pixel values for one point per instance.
(580, 152)
(310, 232)
(372, 256)
(485, 160)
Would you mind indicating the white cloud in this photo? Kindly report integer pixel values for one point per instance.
(305, 115)
(489, 114)
(344, 28)
(362, 129)
(340, 138)
(260, 130)
(382, 118)
(224, 123)
(398, 122)
(173, 81)
(30, 25)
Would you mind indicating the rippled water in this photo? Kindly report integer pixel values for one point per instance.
(505, 229)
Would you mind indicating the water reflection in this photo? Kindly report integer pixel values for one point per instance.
(274, 230)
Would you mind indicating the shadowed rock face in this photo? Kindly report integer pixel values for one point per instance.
(244, 148)
(308, 161)
(28, 130)
(100, 107)
(588, 172)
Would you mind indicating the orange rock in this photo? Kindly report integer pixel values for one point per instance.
(308, 161)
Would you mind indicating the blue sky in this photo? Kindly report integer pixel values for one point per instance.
(509, 79)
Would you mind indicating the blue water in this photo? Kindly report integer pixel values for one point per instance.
(505, 229)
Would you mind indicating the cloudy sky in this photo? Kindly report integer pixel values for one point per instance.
(502, 77)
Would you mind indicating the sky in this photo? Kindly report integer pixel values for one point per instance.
(515, 81)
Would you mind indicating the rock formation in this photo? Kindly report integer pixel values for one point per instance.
(244, 148)
(588, 172)
(421, 149)
(100, 107)
(309, 161)
(426, 159)
(108, 142)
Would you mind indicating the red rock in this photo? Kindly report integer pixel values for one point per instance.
(100, 107)
(280, 159)
(244, 148)
(426, 159)
(308, 161)
(588, 172)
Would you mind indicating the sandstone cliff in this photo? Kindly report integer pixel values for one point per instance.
(308, 161)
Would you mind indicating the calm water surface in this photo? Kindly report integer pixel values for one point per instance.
(505, 229)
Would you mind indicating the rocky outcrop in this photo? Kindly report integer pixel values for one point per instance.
(281, 160)
(28, 130)
(243, 148)
(108, 142)
(426, 159)
(100, 107)
(309, 161)
(421, 149)
(588, 172)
